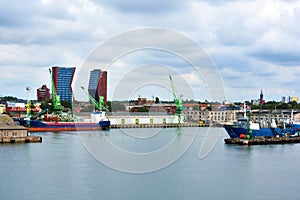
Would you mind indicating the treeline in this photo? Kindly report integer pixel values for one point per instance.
(9, 98)
(272, 105)
(119, 105)
(47, 104)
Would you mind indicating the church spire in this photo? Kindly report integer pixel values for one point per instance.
(261, 97)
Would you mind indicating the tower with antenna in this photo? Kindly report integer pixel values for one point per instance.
(261, 97)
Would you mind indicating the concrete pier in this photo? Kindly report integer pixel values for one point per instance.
(262, 140)
(155, 125)
(26, 139)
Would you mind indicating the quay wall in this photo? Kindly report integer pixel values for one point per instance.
(27, 139)
(156, 125)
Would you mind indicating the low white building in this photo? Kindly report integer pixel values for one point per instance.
(217, 116)
(164, 119)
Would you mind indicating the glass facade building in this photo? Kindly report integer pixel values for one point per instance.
(98, 84)
(63, 78)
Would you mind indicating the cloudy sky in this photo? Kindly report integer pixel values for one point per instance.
(254, 45)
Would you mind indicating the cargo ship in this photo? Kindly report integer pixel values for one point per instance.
(98, 121)
(245, 129)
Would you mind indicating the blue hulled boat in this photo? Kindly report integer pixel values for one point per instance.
(243, 127)
(98, 121)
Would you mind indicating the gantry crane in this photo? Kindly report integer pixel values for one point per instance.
(177, 101)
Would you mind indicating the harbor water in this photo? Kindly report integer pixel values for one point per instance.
(66, 166)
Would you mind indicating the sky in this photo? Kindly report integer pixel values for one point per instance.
(243, 47)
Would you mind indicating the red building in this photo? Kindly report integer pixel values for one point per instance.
(62, 78)
(156, 108)
(43, 93)
(98, 84)
(19, 110)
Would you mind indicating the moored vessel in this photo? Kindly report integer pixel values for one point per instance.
(245, 128)
(98, 121)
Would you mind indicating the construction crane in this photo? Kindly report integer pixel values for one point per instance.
(98, 105)
(177, 101)
(55, 98)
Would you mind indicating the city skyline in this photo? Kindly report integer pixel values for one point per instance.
(41, 96)
(254, 44)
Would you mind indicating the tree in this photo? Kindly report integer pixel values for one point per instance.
(293, 104)
(254, 107)
(47, 104)
(9, 98)
(283, 106)
(195, 107)
(66, 104)
(156, 100)
(143, 109)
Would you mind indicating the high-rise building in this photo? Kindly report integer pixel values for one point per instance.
(261, 98)
(43, 93)
(289, 99)
(98, 84)
(294, 99)
(62, 79)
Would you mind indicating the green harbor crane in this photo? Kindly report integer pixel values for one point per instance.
(98, 105)
(177, 102)
(57, 107)
(28, 109)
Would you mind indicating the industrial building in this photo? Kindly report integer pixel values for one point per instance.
(62, 79)
(43, 93)
(18, 109)
(98, 84)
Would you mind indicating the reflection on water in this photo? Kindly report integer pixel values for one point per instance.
(137, 154)
(62, 168)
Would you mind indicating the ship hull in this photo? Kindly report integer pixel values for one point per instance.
(39, 126)
(236, 131)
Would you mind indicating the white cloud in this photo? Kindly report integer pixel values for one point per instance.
(253, 43)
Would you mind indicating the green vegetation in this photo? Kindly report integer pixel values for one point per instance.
(66, 104)
(120, 105)
(8, 98)
(156, 100)
(196, 108)
(143, 109)
(47, 104)
(272, 105)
